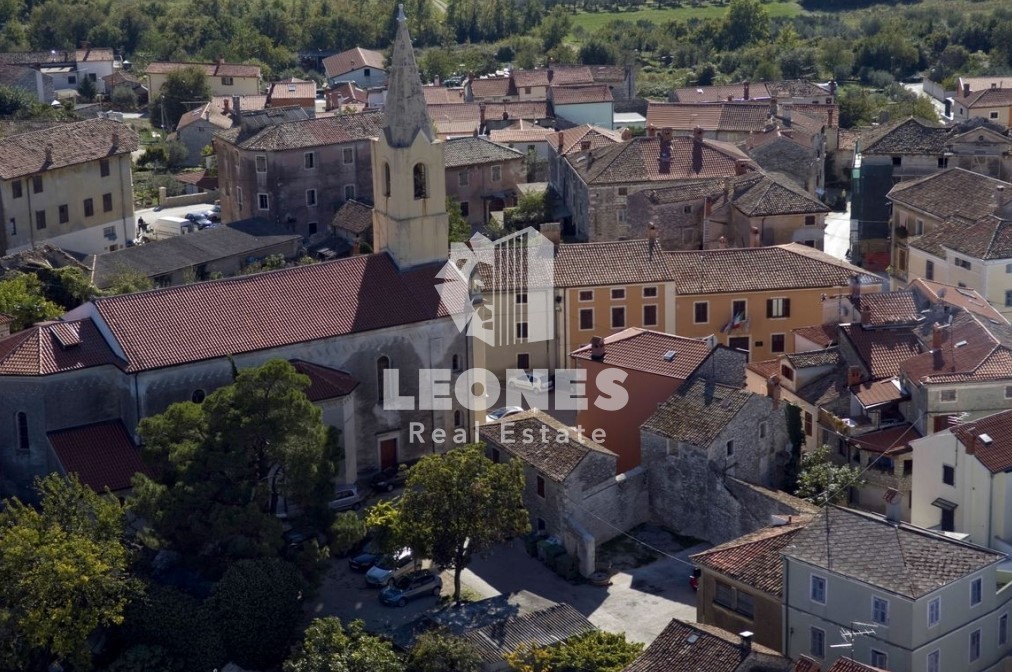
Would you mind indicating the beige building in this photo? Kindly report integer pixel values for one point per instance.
(483, 176)
(993, 103)
(70, 186)
(224, 79)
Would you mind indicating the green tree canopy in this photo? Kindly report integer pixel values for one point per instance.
(820, 479)
(22, 296)
(459, 504)
(183, 90)
(436, 651)
(128, 281)
(330, 647)
(598, 650)
(746, 22)
(171, 624)
(460, 230)
(63, 573)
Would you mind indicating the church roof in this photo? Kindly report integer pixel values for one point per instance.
(406, 115)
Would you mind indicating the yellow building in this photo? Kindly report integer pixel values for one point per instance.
(224, 79)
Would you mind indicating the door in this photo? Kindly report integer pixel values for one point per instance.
(388, 453)
(739, 343)
(948, 520)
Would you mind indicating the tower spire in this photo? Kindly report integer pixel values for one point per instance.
(405, 111)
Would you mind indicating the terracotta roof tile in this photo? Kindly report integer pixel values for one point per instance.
(996, 455)
(888, 308)
(986, 98)
(561, 76)
(950, 192)
(610, 263)
(851, 665)
(806, 664)
(876, 392)
(969, 352)
(435, 93)
(354, 217)
(727, 117)
(102, 455)
(694, 647)
(292, 88)
(988, 238)
(528, 135)
(535, 439)
(697, 413)
(307, 133)
(214, 319)
(544, 627)
(34, 58)
(774, 194)
(247, 103)
(55, 347)
(909, 136)
(814, 359)
(887, 441)
(642, 160)
(791, 266)
(883, 351)
(753, 559)
(967, 299)
(324, 381)
(210, 69)
(765, 367)
(71, 144)
(821, 334)
(351, 60)
(644, 350)
(492, 87)
(349, 92)
(580, 95)
(582, 138)
(474, 151)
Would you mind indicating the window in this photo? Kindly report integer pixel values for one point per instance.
(649, 292)
(226, 81)
(420, 182)
(586, 319)
(542, 526)
(933, 664)
(496, 457)
(16, 190)
(89, 207)
(730, 447)
(617, 294)
(462, 178)
(992, 115)
(521, 298)
(818, 589)
(687, 209)
(264, 201)
(40, 219)
(386, 179)
(618, 317)
(349, 192)
(777, 342)
(963, 263)
(382, 364)
(527, 90)
(523, 361)
(976, 588)
(947, 395)
(918, 227)
(541, 486)
(650, 316)
(1008, 297)
(198, 396)
(1003, 630)
(37, 184)
(620, 215)
(586, 295)
(103, 167)
(897, 160)
(347, 156)
(14, 226)
(623, 191)
(310, 197)
(879, 659)
(1008, 391)
(880, 611)
(22, 428)
(496, 173)
(948, 474)
(64, 214)
(974, 645)
(309, 159)
(738, 309)
(818, 643)
(778, 307)
(745, 604)
(106, 202)
(261, 163)
(723, 595)
(763, 428)
(787, 372)
(71, 79)
(313, 228)
(808, 423)
(701, 312)
(943, 162)
(1008, 267)
(809, 220)
(908, 467)
(929, 270)
(521, 331)
(465, 209)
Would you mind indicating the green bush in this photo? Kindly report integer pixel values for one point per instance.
(347, 530)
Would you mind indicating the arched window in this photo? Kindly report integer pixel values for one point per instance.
(22, 428)
(382, 364)
(421, 187)
(386, 179)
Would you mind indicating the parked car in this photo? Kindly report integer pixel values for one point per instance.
(295, 538)
(411, 586)
(538, 382)
(364, 561)
(199, 219)
(392, 477)
(504, 412)
(214, 213)
(391, 567)
(346, 497)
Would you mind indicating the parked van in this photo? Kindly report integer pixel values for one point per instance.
(170, 227)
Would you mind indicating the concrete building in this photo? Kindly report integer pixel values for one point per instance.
(993, 102)
(293, 91)
(483, 176)
(66, 69)
(591, 104)
(69, 185)
(295, 173)
(197, 127)
(922, 613)
(361, 67)
(224, 79)
(28, 79)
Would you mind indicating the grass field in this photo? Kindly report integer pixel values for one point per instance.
(591, 21)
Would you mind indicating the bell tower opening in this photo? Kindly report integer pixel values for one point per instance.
(421, 188)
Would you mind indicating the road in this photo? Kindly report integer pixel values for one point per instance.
(918, 89)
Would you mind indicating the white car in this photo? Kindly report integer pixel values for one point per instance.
(504, 412)
(537, 382)
(391, 567)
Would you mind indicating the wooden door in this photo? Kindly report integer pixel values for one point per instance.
(388, 453)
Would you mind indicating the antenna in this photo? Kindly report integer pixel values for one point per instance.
(849, 635)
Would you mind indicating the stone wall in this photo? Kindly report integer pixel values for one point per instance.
(186, 199)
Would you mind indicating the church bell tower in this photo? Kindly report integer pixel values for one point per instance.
(409, 177)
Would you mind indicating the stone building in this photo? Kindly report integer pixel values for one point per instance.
(483, 176)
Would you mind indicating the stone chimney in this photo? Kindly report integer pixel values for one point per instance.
(746, 84)
(221, 60)
(627, 135)
(481, 116)
(746, 643)
(697, 133)
(853, 376)
(722, 241)
(551, 73)
(436, 81)
(664, 153)
(754, 237)
(774, 107)
(651, 131)
(651, 238)
(1001, 199)
(356, 247)
(936, 337)
(49, 154)
(740, 166)
(553, 232)
(773, 388)
(225, 106)
(597, 349)
(115, 141)
(830, 121)
(832, 87)
(966, 90)
(237, 106)
(855, 289)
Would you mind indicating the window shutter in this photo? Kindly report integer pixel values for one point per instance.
(769, 307)
(787, 307)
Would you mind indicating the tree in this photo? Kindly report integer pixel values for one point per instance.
(63, 573)
(555, 27)
(820, 479)
(177, 624)
(746, 22)
(459, 504)
(22, 297)
(347, 530)
(87, 90)
(597, 650)
(68, 287)
(460, 230)
(183, 89)
(124, 98)
(330, 647)
(176, 155)
(257, 605)
(127, 281)
(438, 652)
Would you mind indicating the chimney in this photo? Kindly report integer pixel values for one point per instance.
(773, 388)
(855, 289)
(740, 166)
(49, 154)
(722, 241)
(728, 188)
(697, 133)
(832, 87)
(597, 348)
(936, 337)
(651, 238)
(559, 135)
(894, 503)
(651, 131)
(853, 376)
(436, 80)
(481, 116)
(966, 90)
(550, 73)
(236, 105)
(708, 209)
(115, 142)
(664, 153)
(221, 60)
(553, 232)
(627, 135)
(356, 247)
(831, 122)
(225, 106)
(754, 237)
(1001, 199)
(5, 325)
(730, 98)
(746, 89)
(774, 107)
(746, 643)
(584, 145)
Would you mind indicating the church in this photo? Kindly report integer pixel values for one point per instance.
(72, 391)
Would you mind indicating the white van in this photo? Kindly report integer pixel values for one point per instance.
(170, 227)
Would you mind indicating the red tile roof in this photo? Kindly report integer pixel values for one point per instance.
(69, 145)
(293, 88)
(325, 382)
(969, 352)
(850, 665)
(561, 76)
(351, 60)
(579, 95)
(765, 367)
(967, 299)
(54, 347)
(102, 455)
(434, 93)
(573, 139)
(731, 117)
(640, 160)
(888, 441)
(820, 334)
(877, 392)
(754, 559)
(888, 308)
(806, 664)
(210, 69)
(695, 647)
(644, 350)
(493, 87)
(996, 456)
(529, 135)
(882, 351)
(206, 320)
(348, 91)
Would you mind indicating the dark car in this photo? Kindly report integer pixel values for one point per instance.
(364, 561)
(296, 538)
(199, 219)
(391, 477)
